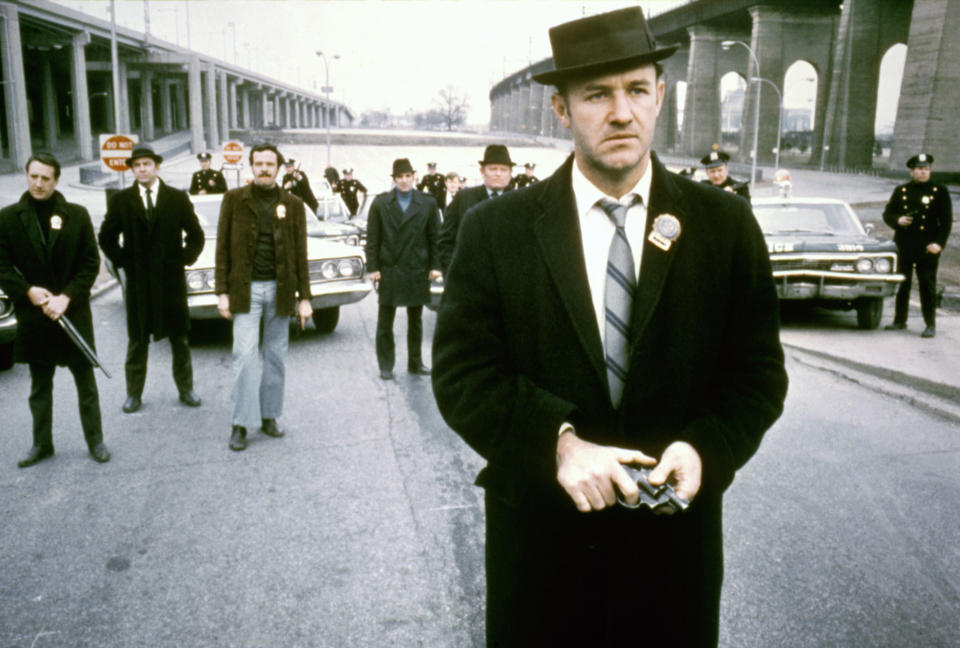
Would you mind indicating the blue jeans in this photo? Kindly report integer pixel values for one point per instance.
(258, 391)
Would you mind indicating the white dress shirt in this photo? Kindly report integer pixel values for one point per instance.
(153, 192)
(597, 230)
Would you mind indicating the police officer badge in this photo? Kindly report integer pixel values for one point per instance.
(56, 222)
(281, 212)
(666, 230)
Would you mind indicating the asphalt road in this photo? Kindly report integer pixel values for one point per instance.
(362, 528)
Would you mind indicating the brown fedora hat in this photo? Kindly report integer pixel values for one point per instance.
(616, 39)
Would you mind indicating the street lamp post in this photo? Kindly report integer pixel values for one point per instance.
(326, 91)
(776, 163)
(727, 44)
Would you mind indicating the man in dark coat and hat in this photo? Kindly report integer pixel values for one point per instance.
(921, 215)
(612, 314)
(161, 235)
(496, 167)
(402, 230)
(48, 263)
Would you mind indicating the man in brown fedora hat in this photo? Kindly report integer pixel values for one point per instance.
(151, 232)
(496, 167)
(613, 314)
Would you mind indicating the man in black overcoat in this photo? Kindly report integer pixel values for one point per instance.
(402, 230)
(496, 167)
(48, 263)
(613, 313)
(921, 215)
(161, 236)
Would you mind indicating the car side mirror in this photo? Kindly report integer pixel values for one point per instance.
(868, 227)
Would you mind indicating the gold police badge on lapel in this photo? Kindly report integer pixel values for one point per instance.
(56, 222)
(666, 230)
(281, 212)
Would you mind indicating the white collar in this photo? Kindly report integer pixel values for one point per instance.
(587, 194)
(153, 187)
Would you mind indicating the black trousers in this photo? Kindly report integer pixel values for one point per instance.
(926, 267)
(136, 365)
(386, 355)
(41, 403)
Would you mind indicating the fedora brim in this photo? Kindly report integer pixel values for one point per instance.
(551, 77)
(156, 158)
(507, 162)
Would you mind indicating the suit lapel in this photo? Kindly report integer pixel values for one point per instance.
(557, 230)
(665, 198)
(28, 218)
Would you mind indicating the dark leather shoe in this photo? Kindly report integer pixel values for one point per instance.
(386, 374)
(896, 326)
(100, 453)
(238, 438)
(190, 398)
(929, 332)
(420, 369)
(35, 456)
(132, 404)
(270, 428)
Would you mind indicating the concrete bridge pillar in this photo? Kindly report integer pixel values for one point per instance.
(245, 106)
(180, 99)
(82, 131)
(223, 104)
(195, 93)
(232, 104)
(930, 93)
(675, 69)
(15, 90)
(210, 108)
(166, 106)
(701, 111)
(146, 105)
(123, 119)
(50, 126)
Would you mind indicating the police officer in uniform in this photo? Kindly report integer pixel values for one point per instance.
(715, 163)
(296, 182)
(207, 180)
(527, 178)
(921, 215)
(432, 183)
(348, 188)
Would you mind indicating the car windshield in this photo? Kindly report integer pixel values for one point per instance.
(826, 219)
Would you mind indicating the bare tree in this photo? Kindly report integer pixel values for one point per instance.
(452, 105)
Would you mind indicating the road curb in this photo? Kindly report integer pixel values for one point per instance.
(935, 398)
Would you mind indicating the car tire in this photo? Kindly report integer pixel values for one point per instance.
(869, 312)
(325, 319)
(6, 356)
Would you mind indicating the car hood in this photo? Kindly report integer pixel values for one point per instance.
(808, 242)
(317, 248)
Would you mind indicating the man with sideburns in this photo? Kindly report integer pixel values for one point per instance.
(611, 315)
(262, 278)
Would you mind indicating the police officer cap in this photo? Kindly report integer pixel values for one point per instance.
(204, 157)
(529, 165)
(714, 159)
(290, 162)
(431, 165)
(920, 160)
(348, 172)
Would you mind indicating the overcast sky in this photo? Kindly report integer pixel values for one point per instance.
(394, 53)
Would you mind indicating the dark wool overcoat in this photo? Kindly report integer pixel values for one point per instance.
(402, 246)
(237, 232)
(453, 216)
(517, 352)
(66, 263)
(154, 255)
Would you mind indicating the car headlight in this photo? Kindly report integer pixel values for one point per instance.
(200, 280)
(883, 266)
(353, 240)
(346, 268)
(864, 265)
(329, 270)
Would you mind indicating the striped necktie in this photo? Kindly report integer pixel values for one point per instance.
(619, 289)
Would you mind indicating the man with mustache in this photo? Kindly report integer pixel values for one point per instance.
(262, 278)
(613, 314)
(160, 236)
(48, 263)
